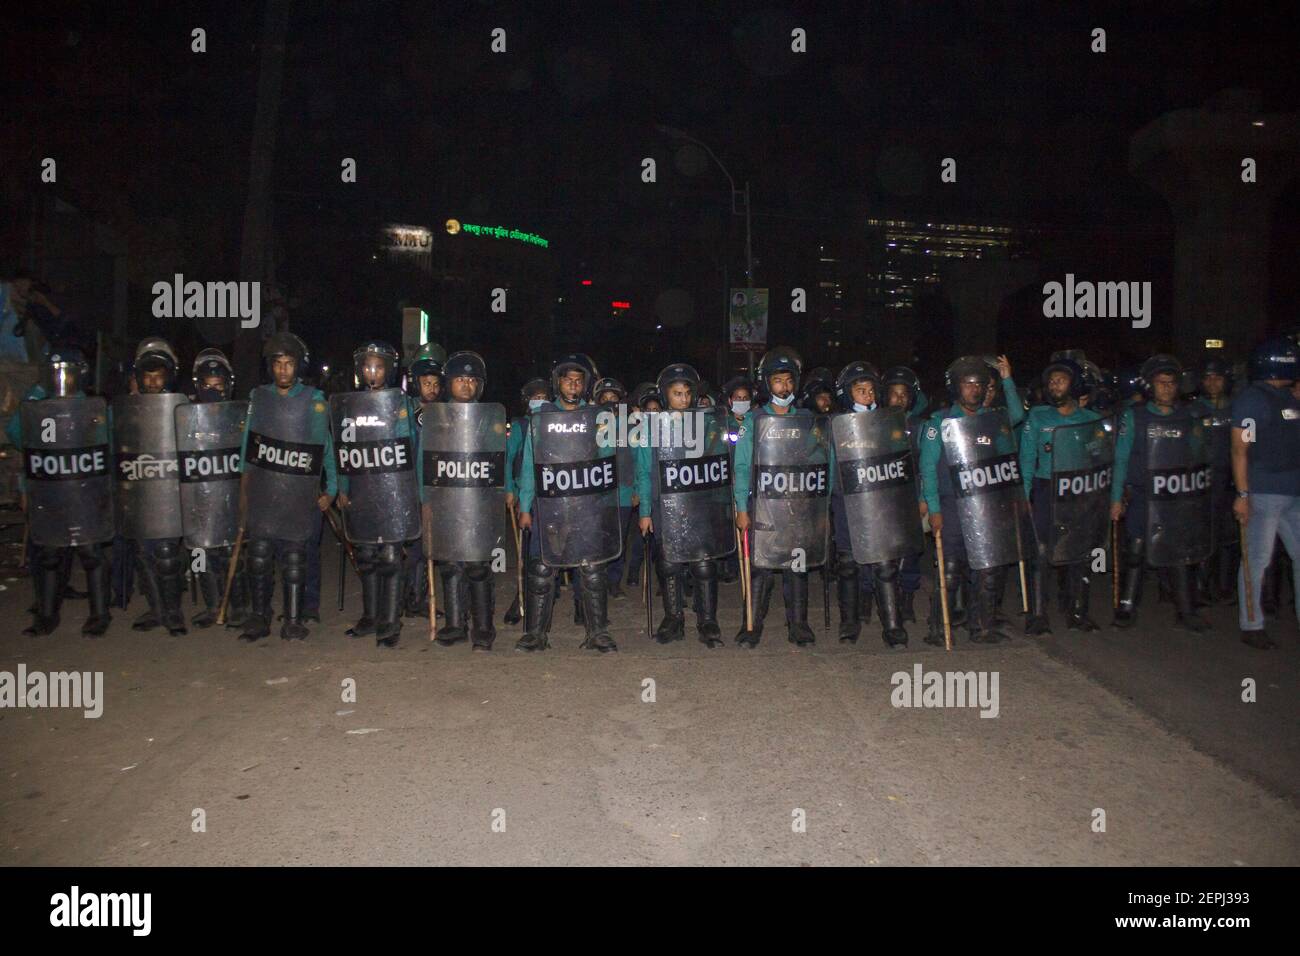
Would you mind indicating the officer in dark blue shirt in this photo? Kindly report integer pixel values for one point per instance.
(1266, 472)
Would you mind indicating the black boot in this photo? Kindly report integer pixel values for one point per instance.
(369, 577)
(1062, 589)
(673, 626)
(891, 620)
(539, 602)
(514, 613)
(1037, 622)
(761, 598)
(97, 590)
(171, 585)
(849, 596)
(210, 583)
(455, 596)
(797, 614)
(981, 619)
(1186, 617)
(237, 610)
(261, 582)
(953, 572)
(1131, 585)
(48, 581)
(417, 591)
(148, 580)
(388, 622)
(706, 603)
(1079, 586)
(594, 595)
(483, 631)
(959, 600)
(906, 599)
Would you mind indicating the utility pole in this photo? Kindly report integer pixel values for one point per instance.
(255, 255)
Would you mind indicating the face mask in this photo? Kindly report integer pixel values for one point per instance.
(740, 408)
(535, 403)
(783, 402)
(858, 407)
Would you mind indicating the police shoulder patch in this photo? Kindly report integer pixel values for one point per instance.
(320, 408)
(931, 433)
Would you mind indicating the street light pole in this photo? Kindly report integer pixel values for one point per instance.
(675, 133)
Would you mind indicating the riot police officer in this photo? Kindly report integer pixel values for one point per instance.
(373, 497)
(1161, 488)
(425, 386)
(213, 379)
(804, 530)
(65, 514)
(903, 391)
(596, 506)
(534, 393)
(1047, 432)
(461, 580)
(1216, 575)
(968, 384)
(287, 447)
(857, 388)
(148, 494)
(696, 528)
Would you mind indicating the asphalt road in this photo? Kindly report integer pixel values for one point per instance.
(449, 757)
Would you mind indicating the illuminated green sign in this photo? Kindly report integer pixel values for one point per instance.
(495, 232)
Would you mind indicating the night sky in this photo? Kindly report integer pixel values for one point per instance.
(549, 138)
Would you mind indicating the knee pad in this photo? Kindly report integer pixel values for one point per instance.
(541, 573)
(260, 554)
(167, 557)
(389, 557)
(478, 571)
(704, 570)
(295, 566)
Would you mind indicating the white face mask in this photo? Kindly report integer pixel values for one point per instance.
(783, 402)
(535, 403)
(740, 408)
(857, 407)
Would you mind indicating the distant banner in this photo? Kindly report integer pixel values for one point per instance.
(748, 319)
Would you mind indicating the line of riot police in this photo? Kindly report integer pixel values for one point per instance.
(838, 473)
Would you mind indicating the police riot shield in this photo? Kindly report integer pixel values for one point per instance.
(147, 498)
(464, 448)
(284, 466)
(789, 513)
(576, 484)
(690, 477)
(67, 463)
(1178, 492)
(877, 473)
(985, 473)
(208, 437)
(374, 446)
(1218, 432)
(1083, 464)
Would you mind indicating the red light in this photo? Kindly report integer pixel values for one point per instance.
(586, 282)
(621, 305)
